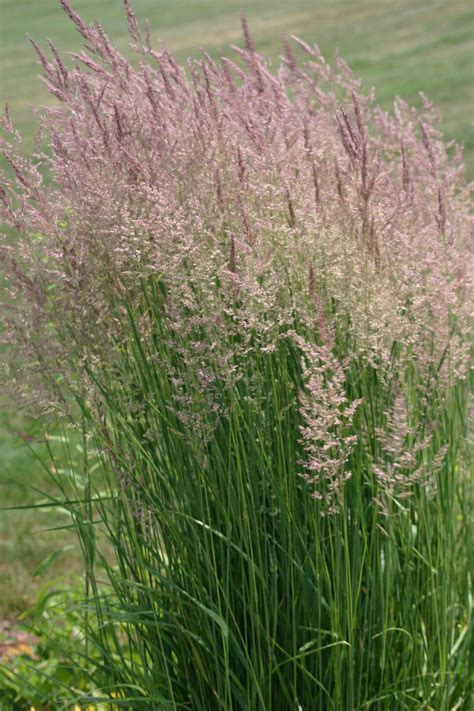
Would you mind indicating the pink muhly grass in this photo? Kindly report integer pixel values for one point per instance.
(256, 287)
(253, 195)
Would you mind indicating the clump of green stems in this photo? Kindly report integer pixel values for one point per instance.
(228, 588)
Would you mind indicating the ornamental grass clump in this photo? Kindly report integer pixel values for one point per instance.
(250, 288)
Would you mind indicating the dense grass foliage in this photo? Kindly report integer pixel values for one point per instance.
(233, 590)
(400, 47)
(248, 292)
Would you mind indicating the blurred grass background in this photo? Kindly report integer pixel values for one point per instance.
(400, 46)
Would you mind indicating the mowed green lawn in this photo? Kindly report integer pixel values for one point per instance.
(400, 46)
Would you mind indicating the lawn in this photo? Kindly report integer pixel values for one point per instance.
(401, 46)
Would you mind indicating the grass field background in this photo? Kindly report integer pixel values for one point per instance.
(400, 46)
